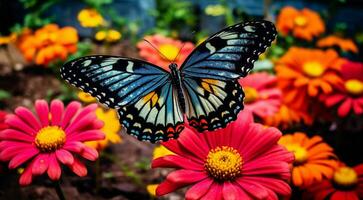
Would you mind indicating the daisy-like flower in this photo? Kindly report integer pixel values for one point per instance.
(304, 73)
(343, 43)
(168, 47)
(111, 129)
(90, 18)
(242, 161)
(304, 24)
(349, 94)
(346, 184)
(110, 35)
(314, 159)
(262, 97)
(49, 138)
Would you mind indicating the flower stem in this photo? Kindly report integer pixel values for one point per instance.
(59, 190)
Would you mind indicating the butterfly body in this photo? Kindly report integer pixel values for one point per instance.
(153, 103)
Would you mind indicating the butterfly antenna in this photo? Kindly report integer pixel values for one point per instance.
(179, 52)
(157, 50)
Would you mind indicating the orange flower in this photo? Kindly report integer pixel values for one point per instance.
(314, 159)
(342, 43)
(48, 44)
(4, 40)
(168, 47)
(304, 73)
(304, 24)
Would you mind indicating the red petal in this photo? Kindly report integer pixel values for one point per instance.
(89, 153)
(64, 156)
(345, 107)
(28, 117)
(42, 109)
(23, 157)
(175, 161)
(41, 163)
(231, 192)
(194, 144)
(253, 188)
(54, 170)
(12, 134)
(27, 176)
(69, 113)
(199, 189)
(56, 109)
(78, 168)
(89, 135)
(214, 192)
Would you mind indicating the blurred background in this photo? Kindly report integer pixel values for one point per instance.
(37, 37)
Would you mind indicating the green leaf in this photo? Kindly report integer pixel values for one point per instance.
(4, 95)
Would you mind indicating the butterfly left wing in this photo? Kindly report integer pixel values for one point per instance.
(212, 103)
(230, 53)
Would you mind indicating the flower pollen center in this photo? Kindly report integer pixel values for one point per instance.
(224, 163)
(300, 21)
(313, 69)
(345, 177)
(251, 94)
(354, 86)
(301, 155)
(169, 51)
(50, 138)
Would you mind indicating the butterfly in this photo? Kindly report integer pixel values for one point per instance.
(151, 102)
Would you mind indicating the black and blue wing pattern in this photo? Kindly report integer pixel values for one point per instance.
(230, 53)
(141, 92)
(210, 73)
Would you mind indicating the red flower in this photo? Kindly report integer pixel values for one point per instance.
(348, 96)
(242, 161)
(49, 138)
(347, 184)
(3, 125)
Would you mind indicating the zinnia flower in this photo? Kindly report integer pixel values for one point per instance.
(262, 97)
(304, 24)
(304, 73)
(110, 35)
(314, 159)
(242, 161)
(346, 184)
(342, 43)
(111, 129)
(168, 47)
(349, 94)
(49, 138)
(3, 125)
(90, 18)
(48, 44)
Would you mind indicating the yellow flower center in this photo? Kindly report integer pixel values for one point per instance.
(300, 21)
(224, 163)
(313, 69)
(301, 155)
(169, 51)
(251, 95)
(354, 86)
(345, 177)
(50, 138)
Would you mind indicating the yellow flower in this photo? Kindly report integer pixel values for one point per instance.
(111, 35)
(110, 129)
(215, 10)
(151, 189)
(161, 151)
(85, 97)
(8, 39)
(90, 18)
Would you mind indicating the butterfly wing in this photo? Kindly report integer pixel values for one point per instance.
(140, 91)
(230, 53)
(212, 103)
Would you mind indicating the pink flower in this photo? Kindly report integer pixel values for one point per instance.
(242, 161)
(3, 125)
(262, 97)
(168, 47)
(49, 138)
(348, 95)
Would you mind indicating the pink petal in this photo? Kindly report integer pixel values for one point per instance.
(70, 112)
(345, 107)
(178, 179)
(78, 125)
(54, 170)
(97, 124)
(56, 109)
(41, 163)
(26, 115)
(89, 153)
(214, 192)
(17, 123)
(27, 175)
(358, 109)
(12, 134)
(274, 184)
(199, 189)
(89, 135)
(175, 161)
(265, 168)
(334, 99)
(9, 152)
(253, 188)
(78, 168)
(42, 109)
(74, 146)
(85, 111)
(64, 156)
(21, 158)
(6, 144)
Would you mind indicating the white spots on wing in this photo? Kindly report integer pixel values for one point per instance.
(137, 125)
(229, 36)
(210, 47)
(129, 67)
(250, 28)
(86, 63)
(112, 100)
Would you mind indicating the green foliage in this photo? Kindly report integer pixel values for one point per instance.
(97, 4)
(4, 95)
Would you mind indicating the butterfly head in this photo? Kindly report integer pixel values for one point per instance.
(173, 66)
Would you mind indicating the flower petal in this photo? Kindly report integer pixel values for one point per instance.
(42, 109)
(64, 156)
(199, 189)
(214, 192)
(41, 163)
(56, 109)
(12, 134)
(89, 153)
(89, 135)
(23, 157)
(17, 123)
(78, 125)
(70, 112)
(54, 170)
(27, 175)
(253, 188)
(78, 168)
(28, 117)
(231, 192)
(194, 144)
(175, 161)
